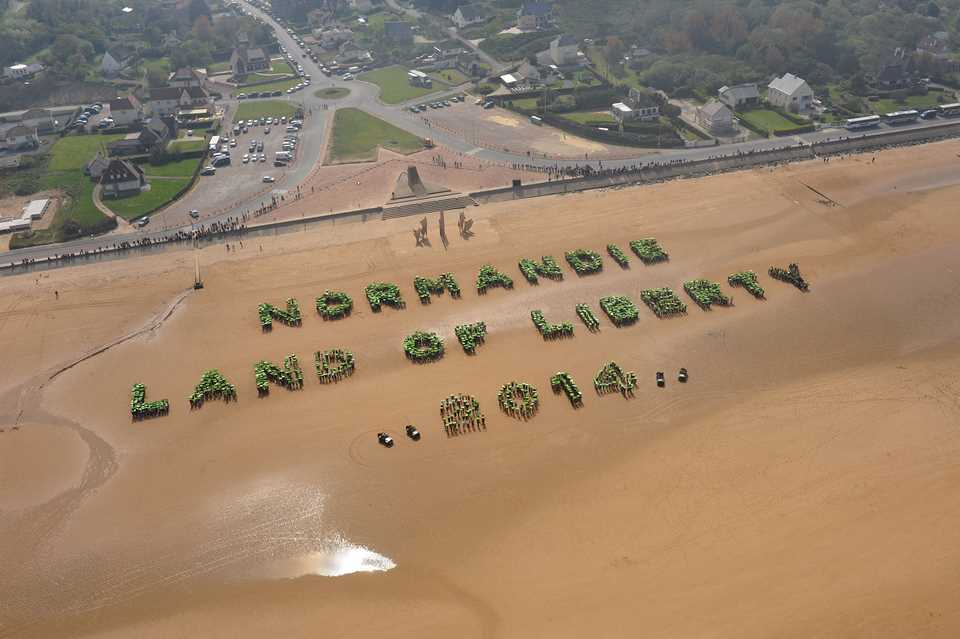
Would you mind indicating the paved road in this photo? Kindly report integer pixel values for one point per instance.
(365, 96)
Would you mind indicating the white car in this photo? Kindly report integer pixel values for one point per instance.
(268, 179)
(246, 158)
(263, 157)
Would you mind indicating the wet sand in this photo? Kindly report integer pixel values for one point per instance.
(803, 483)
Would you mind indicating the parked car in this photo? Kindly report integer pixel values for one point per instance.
(208, 170)
(269, 179)
(682, 376)
(413, 433)
(661, 380)
(195, 214)
(385, 440)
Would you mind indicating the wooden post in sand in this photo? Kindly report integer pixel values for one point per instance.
(197, 282)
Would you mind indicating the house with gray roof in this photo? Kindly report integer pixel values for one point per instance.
(739, 96)
(790, 93)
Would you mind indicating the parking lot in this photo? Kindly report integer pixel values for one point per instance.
(504, 130)
(238, 182)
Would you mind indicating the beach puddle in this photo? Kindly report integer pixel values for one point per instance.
(336, 558)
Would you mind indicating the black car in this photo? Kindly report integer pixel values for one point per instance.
(385, 440)
(682, 375)
(661, 380)
(413, 433)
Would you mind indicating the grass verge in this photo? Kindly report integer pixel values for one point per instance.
(393, 83)
(161, 192)
(356, 136)
(264, 108)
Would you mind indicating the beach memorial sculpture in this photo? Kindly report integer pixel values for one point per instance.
(546, 267)
(706, 293)
(461, 415)
(420, 232)
(618, 255)
(588, 318)
(519, 400)
(613, 379)
(584, 262)
(620, 310)
(471, 336)
(649, 250)
(290, 376)
(379, 293)
(489, 277)
(663, 302)
(426, 286)
(213, 385)
(791, 276)
(563, 382)
(748, 280)
(334, 365)
(550, 331)
(334, 305)
(422, 347)
(465, 225)
(268, 312)
(140, 408)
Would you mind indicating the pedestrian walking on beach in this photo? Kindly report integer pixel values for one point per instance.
(56, 294)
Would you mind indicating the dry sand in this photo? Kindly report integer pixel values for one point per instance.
(804, 483)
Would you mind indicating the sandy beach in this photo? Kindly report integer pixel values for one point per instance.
(803, 483)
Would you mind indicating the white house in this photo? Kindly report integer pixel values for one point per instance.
(19, 137)
(21, 71)
(739, 95)
(716, 117)
(122, 178)
(563, 50)
(468, 14)
(624, 112)
(790, 93)
(170, 100)
(126, 110)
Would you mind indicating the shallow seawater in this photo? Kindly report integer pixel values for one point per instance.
(336, 557)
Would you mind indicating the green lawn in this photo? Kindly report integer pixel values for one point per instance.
(279, 85)
(158, 64)
(767, 119)
(393, 83)
(185, 146)
(449, 76)
(332, 93)
(264, 108)
(218, 67)
(918, 102)
(356, 136)
(74, 151)
(624, 75)
(161, 192)
(181, 168)
(592, 117)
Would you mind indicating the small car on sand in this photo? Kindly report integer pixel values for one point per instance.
(385, 440)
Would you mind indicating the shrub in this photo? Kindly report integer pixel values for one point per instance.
(748, 280)
(649, 251)
(334, 305)
(562, 382)
(290, 376)
(423, 347)
(379, 293)
(584, 262)
(663, 302)
(618, 255)
(547, 267)
(612, 378)
(519, 399)
(461, 414)
(706, 293)
(588, 318)
(140, 408)
(471, 335)
(488, 277)
(620, 310)
(213, 385)
(333, 365)
(268, 312)
(425, 286)
(550, 331)
(791, 276)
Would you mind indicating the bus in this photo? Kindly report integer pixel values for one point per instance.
(950, 110)
(865, 122)
(899, 117)
(214, 143)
